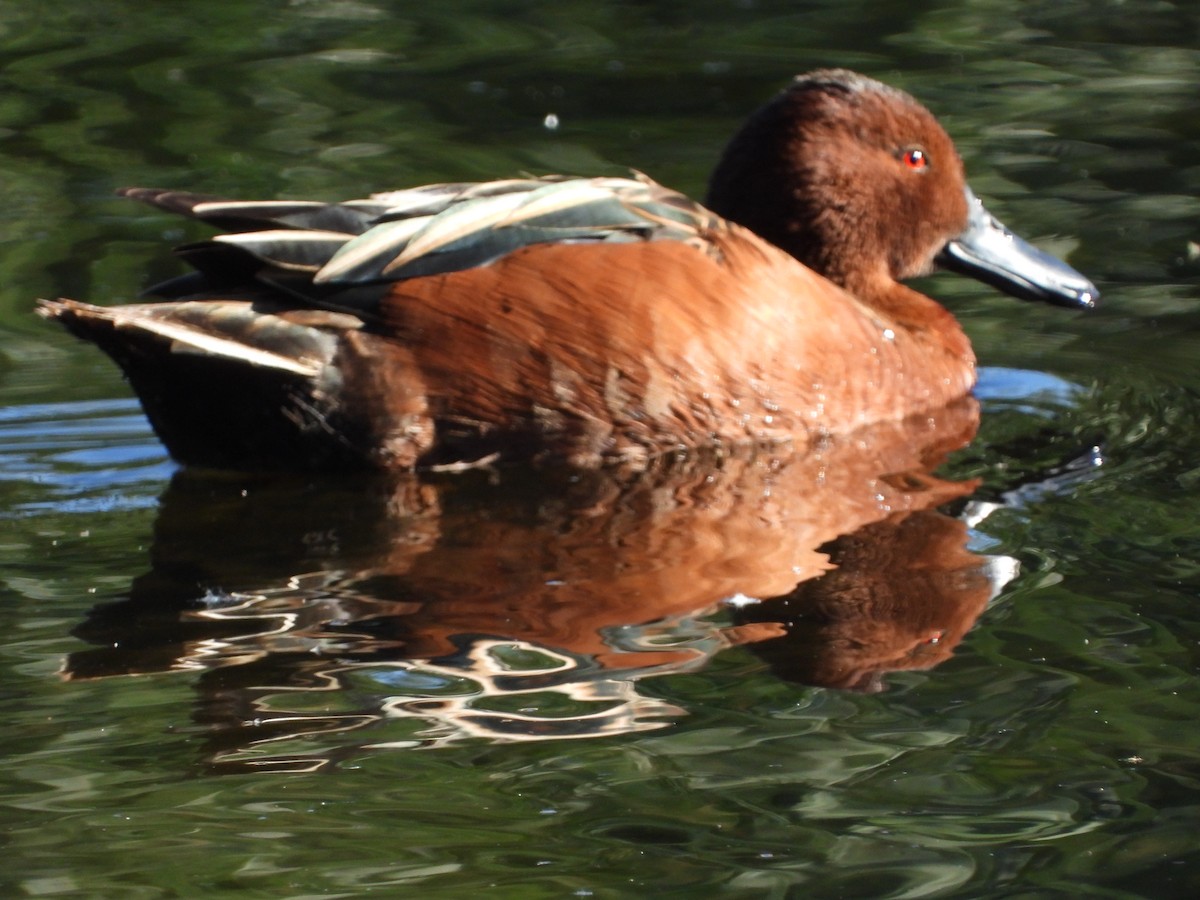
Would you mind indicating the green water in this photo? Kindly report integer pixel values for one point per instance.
(224, 686)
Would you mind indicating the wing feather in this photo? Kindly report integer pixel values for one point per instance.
(334, 248)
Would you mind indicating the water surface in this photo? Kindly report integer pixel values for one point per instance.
(336, 687)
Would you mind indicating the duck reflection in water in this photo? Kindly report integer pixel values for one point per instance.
(416, 610)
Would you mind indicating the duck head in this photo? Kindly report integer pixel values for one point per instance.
(859, 182)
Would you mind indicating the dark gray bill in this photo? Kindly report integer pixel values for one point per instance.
(991, 253)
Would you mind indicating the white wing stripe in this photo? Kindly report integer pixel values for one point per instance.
(218, 346)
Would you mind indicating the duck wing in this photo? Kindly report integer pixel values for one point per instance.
(340, 255)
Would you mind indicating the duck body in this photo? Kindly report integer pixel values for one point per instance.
(591, 321)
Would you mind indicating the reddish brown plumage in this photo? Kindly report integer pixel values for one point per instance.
(672, 348)
(818, 171)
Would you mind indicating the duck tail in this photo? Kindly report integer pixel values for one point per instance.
(227, 384)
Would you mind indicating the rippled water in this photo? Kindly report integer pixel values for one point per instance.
(336, 687)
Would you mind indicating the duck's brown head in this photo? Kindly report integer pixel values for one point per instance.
(858, 181)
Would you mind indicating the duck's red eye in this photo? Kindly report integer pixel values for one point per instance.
(915, 159)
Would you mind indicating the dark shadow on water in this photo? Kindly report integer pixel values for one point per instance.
(328, 617)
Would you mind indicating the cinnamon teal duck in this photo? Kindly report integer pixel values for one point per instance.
(591, 321)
